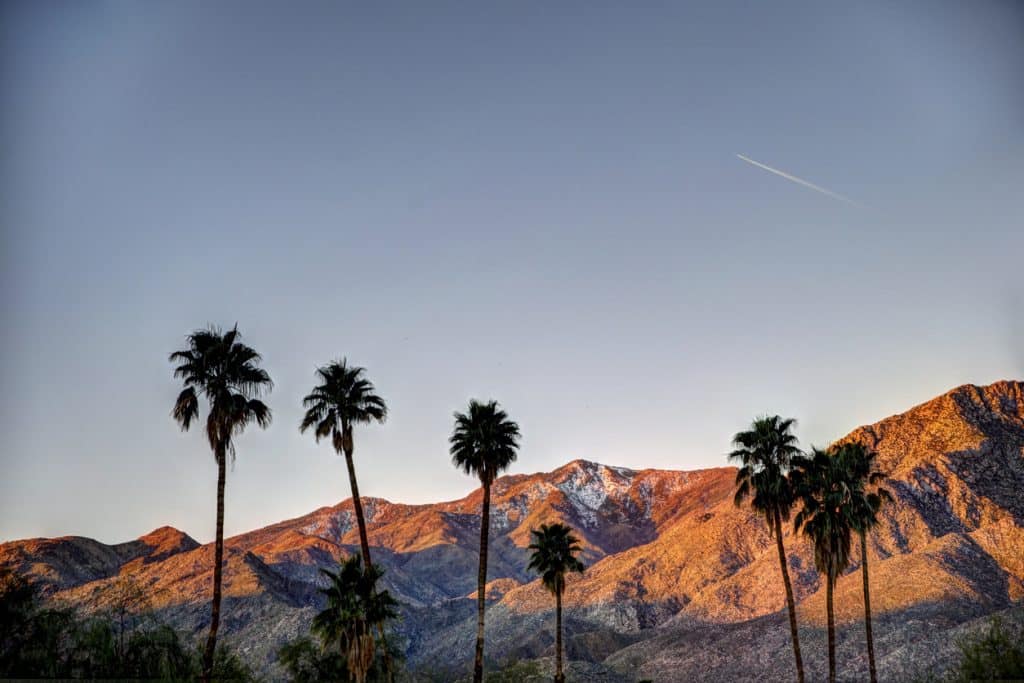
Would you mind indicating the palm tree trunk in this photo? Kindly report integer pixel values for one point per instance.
(867, 607)
(364, 542)
(831, 630)
(485, 523)
(559, 676)
(790, 602)
(218, 561)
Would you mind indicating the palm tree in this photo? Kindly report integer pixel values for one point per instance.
(823, 483)
(354, 606)
(342, 399)
(866, 499)
(766, 452)
(483, 443)
(554, 555)
(226, 372)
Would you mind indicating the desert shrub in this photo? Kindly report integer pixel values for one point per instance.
(996, 654)
(517, 672)
(304, 660)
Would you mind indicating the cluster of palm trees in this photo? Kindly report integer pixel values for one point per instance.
(217, 366)
(835, 494)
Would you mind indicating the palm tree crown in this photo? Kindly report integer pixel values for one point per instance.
(227, 373)
(866, 494)
(343, 398)
(823, 483)
(765, 453)
(554, 555)
(484, 441)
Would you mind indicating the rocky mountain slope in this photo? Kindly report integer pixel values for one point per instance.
(680, 582)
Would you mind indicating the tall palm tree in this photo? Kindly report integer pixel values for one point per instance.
(867, 497)
(822, 482)
(554, 555)
(354, 606)
(483, 443)
(226, 373)
(766, 452)
(343, 399)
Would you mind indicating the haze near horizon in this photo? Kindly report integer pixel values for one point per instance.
(538, 205)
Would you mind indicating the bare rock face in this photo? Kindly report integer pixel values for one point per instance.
(60, 563)
(681, 584)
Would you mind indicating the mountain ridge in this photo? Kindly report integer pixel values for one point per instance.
(667, 552)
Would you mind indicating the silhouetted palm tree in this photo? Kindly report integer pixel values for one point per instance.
(483, 443)
(226, 372)
(554, 555)
(823, 483)
(354, 607)
(344, 398)
(867, 497)
(766, 452)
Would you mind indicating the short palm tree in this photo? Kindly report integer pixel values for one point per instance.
(226, 372)
(483, 443)
(766, 452)
(343, 399)
(822, 482)
(867, 497)
(554, 555)
(354, 607)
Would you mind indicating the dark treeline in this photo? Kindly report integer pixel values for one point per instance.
(122, 640)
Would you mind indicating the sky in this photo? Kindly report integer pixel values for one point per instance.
(539, 203)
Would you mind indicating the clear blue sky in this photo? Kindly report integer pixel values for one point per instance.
(535, 202)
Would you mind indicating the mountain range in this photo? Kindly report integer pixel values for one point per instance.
(680, 582)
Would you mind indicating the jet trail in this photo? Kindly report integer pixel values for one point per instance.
(801, 181)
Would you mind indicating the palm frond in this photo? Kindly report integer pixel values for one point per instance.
(766, 452)
(342, 397)
(186, 408)
(227, 373)
(484, 441)
(554, 555)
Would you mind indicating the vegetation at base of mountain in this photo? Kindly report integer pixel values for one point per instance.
(496, 671)
(353, 645)
(517, 672)
(997, 654)
(42, 642)
(994, 653)
(307, 661)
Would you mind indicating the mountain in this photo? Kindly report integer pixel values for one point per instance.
(680, 582)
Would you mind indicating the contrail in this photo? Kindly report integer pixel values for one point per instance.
(801, 181)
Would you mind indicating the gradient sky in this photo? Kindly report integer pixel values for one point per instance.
(535, 202)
